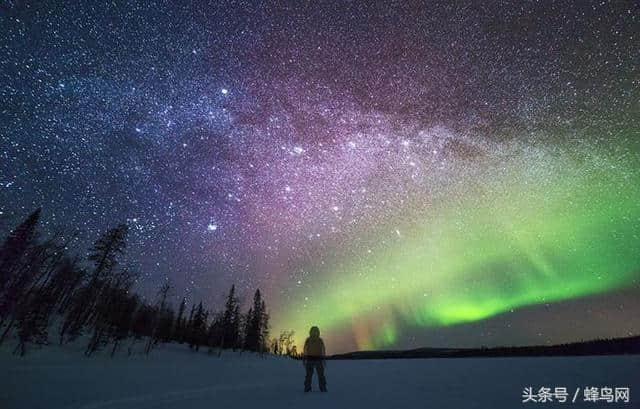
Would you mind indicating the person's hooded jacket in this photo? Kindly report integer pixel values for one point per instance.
(314, 346)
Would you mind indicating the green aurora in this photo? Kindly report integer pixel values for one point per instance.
(518, 234)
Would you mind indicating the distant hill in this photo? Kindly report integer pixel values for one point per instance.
(614, 346)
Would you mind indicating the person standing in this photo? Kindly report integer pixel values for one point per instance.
(313, 358)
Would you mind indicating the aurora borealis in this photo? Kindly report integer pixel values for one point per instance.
(522, 238)
(401, 175)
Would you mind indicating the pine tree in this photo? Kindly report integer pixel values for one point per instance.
(248, 330)
(257, 333)
(143, 321)
(106, 249)
(163, 293)
(108, 311)
(166, 325)
(32, 278)
(15, 246)
(178, 332)
(198, 326)
(123, 319)
(253, 333)
(236, 322)
(85, 306)
(264, 328)
(12, 254)
(188, 325)
(100, 325)
(214, 335)
(32, 320)
(230, 321)
(66, 279)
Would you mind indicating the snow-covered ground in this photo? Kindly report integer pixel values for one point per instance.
(174, 377)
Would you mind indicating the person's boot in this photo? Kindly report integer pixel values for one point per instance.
(323, 388)
(307, 388)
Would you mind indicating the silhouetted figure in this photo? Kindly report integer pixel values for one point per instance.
(313, 357)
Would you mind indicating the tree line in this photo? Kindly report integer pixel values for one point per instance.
(41, 282)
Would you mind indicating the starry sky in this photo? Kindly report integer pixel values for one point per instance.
(402, 174)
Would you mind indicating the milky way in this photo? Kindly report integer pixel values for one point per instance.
(380, 171)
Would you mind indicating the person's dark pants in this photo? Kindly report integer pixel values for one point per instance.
(318, 365)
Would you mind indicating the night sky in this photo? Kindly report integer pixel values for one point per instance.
(401, 175)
